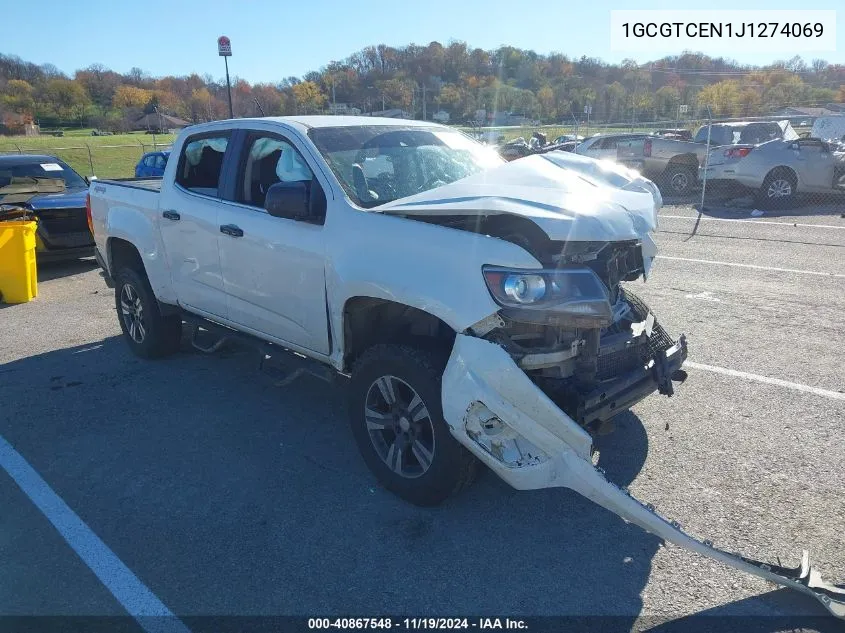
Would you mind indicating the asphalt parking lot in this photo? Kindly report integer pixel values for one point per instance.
(224, 494)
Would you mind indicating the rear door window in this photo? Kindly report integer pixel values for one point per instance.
(201, 164)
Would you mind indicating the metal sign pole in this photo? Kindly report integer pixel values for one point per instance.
(229, 88)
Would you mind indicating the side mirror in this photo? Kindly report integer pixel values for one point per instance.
(288, 200)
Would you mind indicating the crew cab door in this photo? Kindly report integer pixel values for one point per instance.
(273, 268)
(189, 223)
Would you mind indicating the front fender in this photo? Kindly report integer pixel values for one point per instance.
(425, 266)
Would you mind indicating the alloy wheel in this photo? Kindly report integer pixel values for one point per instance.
(399, 426)
(132, 313)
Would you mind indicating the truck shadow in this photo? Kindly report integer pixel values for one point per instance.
(228, 495)
(48, 270)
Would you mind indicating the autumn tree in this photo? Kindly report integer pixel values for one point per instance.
(308, 97)
(65, 98)
(18, 97)
(131, 97)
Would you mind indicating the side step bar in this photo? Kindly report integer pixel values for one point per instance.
(283, 364)
(591, 482)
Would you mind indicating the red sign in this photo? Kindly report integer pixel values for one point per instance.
(224, 46)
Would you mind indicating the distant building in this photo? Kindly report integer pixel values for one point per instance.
(14, 124)
(508, 118)
(829, 109)
(343, 108)
(392, 113)
(159, 123)
(441, 116)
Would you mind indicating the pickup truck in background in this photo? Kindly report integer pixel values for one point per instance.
(674, 164)
(476, 307)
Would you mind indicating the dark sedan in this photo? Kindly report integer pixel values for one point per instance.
(63, 231)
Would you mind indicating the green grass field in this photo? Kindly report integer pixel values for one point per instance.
(110, 156)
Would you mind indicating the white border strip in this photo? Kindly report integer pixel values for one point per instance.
(125, 586)
(825, 393)
(779, 270)
(709, 219)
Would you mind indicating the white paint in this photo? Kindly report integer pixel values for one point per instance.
(705, 295)
(825, 393)
(694, 218)
(480, 372)
(755, 267)
(127, 589)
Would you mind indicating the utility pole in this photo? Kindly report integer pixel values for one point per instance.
(424, 112)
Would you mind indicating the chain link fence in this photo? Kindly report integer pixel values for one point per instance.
(790, 160)
(101, 160)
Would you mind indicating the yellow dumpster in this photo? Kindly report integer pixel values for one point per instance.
(18, 275)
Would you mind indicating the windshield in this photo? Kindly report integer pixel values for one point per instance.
(50, 168)
(381, 163)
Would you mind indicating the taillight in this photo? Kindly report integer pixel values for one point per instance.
(88, 213)
(647, 147)
(737, 152)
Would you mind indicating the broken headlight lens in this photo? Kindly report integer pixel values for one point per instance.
(576, 291)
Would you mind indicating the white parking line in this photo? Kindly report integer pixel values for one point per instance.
(125, 586)
(773, 268)
(709, 219)
(826, 393)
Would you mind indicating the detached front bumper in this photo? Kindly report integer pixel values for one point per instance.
(624, 392)
(496, 412)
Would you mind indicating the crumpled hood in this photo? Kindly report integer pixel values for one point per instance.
(564, 201)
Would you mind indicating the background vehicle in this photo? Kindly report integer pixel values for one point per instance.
(566, 138)
(152, 165)
(829, 128)
(604, 146)
(779, 169)
(680, 134)
(59, 208)
(674, 164)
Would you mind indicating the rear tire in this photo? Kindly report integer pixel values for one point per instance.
(778, 190)
(679, 180)
(397, 421)
(148, 333)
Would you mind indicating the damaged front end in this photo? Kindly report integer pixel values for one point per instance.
(594, 348)
(526, 387)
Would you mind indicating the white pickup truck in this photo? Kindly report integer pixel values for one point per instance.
(475, 306)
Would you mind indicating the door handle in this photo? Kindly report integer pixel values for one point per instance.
(170, 214)
(232, 230)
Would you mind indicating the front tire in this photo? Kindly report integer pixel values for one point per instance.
(778, 190)
(397, 421)
(148, 333)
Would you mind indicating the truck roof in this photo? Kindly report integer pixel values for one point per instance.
(306, 122)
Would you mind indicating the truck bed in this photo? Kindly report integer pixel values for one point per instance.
(150, 184)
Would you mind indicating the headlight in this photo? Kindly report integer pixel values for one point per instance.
(524, 288)
(575, 292)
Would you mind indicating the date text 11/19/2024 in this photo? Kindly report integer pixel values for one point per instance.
(412, 624)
